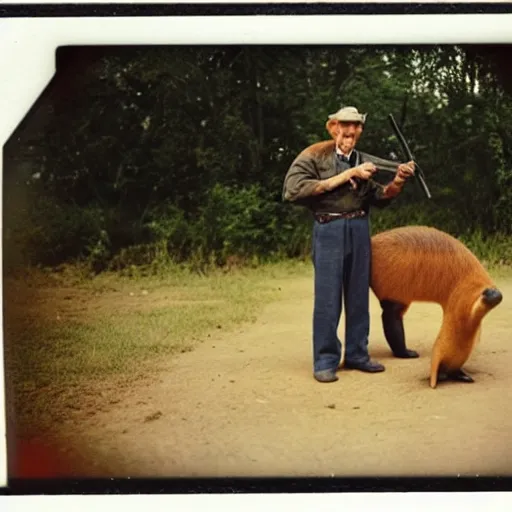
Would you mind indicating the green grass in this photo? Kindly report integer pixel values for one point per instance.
(494, 251)
(500, 272)
(69, 332)
(70, 336)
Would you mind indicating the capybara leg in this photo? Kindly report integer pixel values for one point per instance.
(435, 365)
(392, 322)
(442, 376)
(460, 376)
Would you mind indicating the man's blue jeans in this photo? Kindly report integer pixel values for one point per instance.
(341, 257)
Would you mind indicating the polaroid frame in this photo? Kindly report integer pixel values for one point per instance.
(27, 57)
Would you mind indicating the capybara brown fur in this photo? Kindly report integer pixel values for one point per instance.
(420, 263)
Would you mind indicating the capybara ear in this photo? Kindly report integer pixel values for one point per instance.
(332, 127)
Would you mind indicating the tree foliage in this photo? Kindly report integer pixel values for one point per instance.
(180, 152)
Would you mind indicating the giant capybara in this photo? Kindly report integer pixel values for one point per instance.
(420, 263)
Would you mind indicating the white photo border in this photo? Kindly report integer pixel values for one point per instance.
(27, 61)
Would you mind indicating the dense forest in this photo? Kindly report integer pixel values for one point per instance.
(147, 155)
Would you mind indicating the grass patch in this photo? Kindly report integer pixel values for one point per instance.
(65, 332)
(500, 271)
(69, 338)
(494, 251)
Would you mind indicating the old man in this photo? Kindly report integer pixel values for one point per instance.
(334, 180)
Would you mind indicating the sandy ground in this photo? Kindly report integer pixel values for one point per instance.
(247, 405)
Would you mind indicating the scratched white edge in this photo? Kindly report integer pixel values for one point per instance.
(27, 63)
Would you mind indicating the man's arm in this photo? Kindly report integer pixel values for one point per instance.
(393, 188)
(302, 180)
(403, 172)
(383, 194)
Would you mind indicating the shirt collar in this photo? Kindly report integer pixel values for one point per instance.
(338, 152)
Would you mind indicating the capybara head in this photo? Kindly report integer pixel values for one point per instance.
(486, 301)
(492, 297)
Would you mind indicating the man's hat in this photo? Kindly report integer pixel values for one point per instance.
(348, 115)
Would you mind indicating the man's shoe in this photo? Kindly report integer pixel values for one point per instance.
(326, 376)
(368, 366)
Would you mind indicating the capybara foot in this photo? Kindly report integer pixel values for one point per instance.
(408, 354)
(456, 375)
(460, 376)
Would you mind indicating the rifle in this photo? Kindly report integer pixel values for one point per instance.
(418, 171)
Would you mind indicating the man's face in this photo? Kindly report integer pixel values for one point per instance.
(348, 135)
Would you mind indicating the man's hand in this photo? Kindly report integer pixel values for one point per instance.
(364, 171)
(404, 172)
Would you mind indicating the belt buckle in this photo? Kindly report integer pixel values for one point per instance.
(322, 218)
(356, 213)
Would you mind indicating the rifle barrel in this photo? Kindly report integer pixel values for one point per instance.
(419, 173)
(385, 169)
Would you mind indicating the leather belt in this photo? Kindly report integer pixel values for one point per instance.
(324, 218)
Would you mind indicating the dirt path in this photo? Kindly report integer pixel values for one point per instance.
(247, 405)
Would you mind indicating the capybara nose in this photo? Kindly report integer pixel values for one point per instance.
(492, 296)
